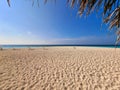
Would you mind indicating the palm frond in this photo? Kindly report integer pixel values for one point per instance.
(8, 1)
(110, 9)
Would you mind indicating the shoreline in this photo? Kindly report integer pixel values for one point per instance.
(33, 47)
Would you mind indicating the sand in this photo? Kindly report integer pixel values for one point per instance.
(60, 68)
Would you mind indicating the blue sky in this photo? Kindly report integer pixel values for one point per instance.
(50, 24)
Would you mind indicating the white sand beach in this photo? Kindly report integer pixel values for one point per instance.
(60, 68)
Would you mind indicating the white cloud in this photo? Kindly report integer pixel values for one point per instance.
(85, 40)
(35, 40)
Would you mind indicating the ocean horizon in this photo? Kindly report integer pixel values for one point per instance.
(38, 46)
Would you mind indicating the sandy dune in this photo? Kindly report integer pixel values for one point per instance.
(60, 68)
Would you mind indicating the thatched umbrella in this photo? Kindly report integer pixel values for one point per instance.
(110, 9)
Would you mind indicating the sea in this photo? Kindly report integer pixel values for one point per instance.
(41, 46)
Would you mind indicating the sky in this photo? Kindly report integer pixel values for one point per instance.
(53, 23)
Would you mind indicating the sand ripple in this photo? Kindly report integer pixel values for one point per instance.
(60, 68)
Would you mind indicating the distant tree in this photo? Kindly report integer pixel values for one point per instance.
(110, 10)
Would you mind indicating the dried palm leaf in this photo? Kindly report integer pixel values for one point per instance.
(8, 1)
(111, 10)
